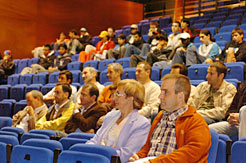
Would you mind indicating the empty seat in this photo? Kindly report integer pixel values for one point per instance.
(91, 64)
(155, 74)
(13, 79)
(214, 146)
(32, 61)
(124, 62)
(48, 87)
(33, 87)
(19, 106)
(6, 108)
(40, 78)
(49, 133)
(17, 92)
(23, 153)
(214, 24)
(5, 121)
(13, 129)
(26, 79)
(230, 22)
(76, 75)
(235, 70)
(129, 73)
(81, 135)
(4, 92)
(22, 64)
(145, 28)
(67, 142)
(75, 57)
(77, 65)
(198, 71)
(103, 65)
(44, 143)
(164, 21)
(165, 71)
(78, 157)
(27, 136)
(225, 36)
(103, 77)
(53, 77)
(238, 151)
(9, 139)
(221, 43)
(222, 151)
(227, 28)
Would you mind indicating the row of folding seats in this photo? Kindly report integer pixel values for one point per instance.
(9, 107)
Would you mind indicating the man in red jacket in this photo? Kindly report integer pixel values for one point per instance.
(178, 133)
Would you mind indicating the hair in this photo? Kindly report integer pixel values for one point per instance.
(66, 88)
(137, 33)
(220, 67)
(147, 66)
(237, 30)
(182, 67)
(47, 46)
(62, 45)
(117, 67)
(207, 32)
(177, 23)
(133, 88)
(93, 89)
(37, 94)
(155, 23)
(74, 31)
(112, 28)
(182, 84)
(91, 69)
(68, 74)
(186, 21)
(122, 36)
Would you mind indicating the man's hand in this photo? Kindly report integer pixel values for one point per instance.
(30, 111)
(134, 157)
(100, 121)
(233, 119)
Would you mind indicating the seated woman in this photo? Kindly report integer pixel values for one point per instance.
(209, 50)
(125, 129)
(98, 53)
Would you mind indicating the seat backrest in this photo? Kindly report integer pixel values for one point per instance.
(81, 135)
(32, 135)
(23, 154)
(68, 142)
(6, 108)
(9, 139)
(214, 146)
(44, 132)
(221, 152)
(4, 92)
(49, 144)
(5, 121)
(13, 129)
(129, 73)
(3, 152)
(81, 157)
(238, 151)
(96, 149)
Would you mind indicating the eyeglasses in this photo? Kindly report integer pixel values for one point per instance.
(118, 94)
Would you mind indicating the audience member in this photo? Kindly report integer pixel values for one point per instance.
(101, 49)
(152, 90)
(60, 112)
(74, 45)
(178, 133)
(89, 75)
(160, 53)
(84, 38)
(213, 97)
(186, 54)
(7, 65)
(111, 34)
(62, 40)
(186, 28)
(85, 118)
(174, 38)
(235, 50)
(231, 124)
(209, 50)
(124, 129)
(35, 109)
(45, 61)
(115, 71)
(136, 46)
(65, 76)
(119, 50)
(130, 38)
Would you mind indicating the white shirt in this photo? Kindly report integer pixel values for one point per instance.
(72, 97)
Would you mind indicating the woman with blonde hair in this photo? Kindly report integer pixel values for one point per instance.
(125, 129)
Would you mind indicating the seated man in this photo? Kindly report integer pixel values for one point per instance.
(213, 97)
(85, 118)
(111, 34)
(65, 76)
(152, 90)
(74, 45)
(178, 133)
(89, 75)
(231, 125)
(130, 37)
(7, 65)
(60, 112)
(120, 49)
(235, 50)
(115, 71)
(186, 28)
(84, 38)
(174, 38)
(35, 109)
(136, 46)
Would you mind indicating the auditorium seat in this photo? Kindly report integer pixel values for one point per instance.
(53, 77)
(129, 73)
(48, 87)
(124, 62)
(19, 106)
(13, 79)
(103, 77)
(40, 78)
(26, 79)
(17, 92)
(68, 142)
(5, 121)
(4, 92)
(227, 28)
(235, 70)
(224, 36)
(22, 64)
(27, 136)
(76, 65)
(198, 71)
(33, 87)
(6, 108)
(76, 75)
(91, 63)
(103, 65)
(32, 61)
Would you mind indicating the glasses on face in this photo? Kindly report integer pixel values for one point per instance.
(118, 94)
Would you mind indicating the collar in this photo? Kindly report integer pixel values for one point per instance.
(175, 114)
(58, 107)
(219, 90)
(85, 109)
(39, 108)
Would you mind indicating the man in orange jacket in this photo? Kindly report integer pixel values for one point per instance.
(178, 133)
